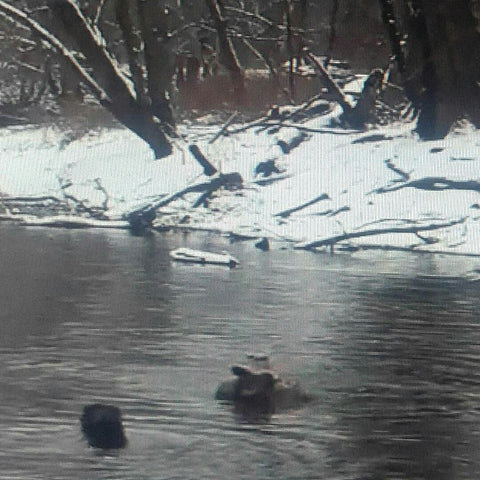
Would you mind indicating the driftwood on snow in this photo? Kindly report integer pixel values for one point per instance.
(63, 221)
(434, 184)
(48, 210)
(289, 211)
(404, 175)
(38, 200)
(415, 229)
(48, 206)
(223, 130)
(208, 168)
(143, 217)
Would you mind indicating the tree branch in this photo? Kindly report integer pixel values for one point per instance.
(288, 212)
(331, 241)
(227, 56)
(434, 184)
(330, 83)
(23, 18)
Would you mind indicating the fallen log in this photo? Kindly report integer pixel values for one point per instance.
(289, 211)
(434, 184)
(412, 249)
(64, 221)
(208, 168)
(331, 241)
(30, 199)
(223, 130)
(404, 175)
(333, 88)
(142, 218)
(230, 181)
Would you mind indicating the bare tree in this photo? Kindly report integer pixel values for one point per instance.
(436, 46)
(111, 87)
(227, 55)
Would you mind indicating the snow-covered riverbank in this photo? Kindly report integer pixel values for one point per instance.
(381, 188)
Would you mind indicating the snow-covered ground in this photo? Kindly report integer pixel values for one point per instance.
(381, 188)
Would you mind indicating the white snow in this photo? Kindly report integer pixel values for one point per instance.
(366, 183)
(199, 256)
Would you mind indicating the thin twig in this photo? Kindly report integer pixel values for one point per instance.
(101, 188)
(251, 15)
(98, 13)
(224, 128)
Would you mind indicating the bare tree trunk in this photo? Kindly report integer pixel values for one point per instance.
(440, 65)
(332, 36)
(455, 58)
(109, 86)
(159, 59)
(124, 14)
(227, 56)
(122, 103)
(421, 84)
(290, 49)
(391, 24)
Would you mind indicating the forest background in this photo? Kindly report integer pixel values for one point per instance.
(152, 63)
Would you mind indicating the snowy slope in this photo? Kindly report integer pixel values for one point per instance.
(378, 188)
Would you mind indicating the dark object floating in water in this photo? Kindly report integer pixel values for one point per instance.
(263, 244)
(261, 391)
(102, 426)
(189, 255)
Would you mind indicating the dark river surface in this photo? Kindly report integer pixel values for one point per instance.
(387, 344)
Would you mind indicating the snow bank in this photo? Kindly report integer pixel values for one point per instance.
(333, 185)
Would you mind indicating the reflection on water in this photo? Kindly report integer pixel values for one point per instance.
(387, 344)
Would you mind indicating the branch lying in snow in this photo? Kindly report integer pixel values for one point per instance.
(286, 213)
(81, 206)
(64, 221)
(332, 213)
(223, 180)
(331, 241)
(434, 184)
(208, 168)
(223, 130)
(143, 217)
(266, 124)
(101, 188)
(405, 176)
(30, 200)
(289, 118)
(395, 248)
(231, 181)
(269, 180)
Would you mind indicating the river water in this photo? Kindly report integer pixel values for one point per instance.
(388, 345)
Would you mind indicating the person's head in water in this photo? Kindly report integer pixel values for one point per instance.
(102, 426)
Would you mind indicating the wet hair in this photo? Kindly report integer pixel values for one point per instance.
(102, 426)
